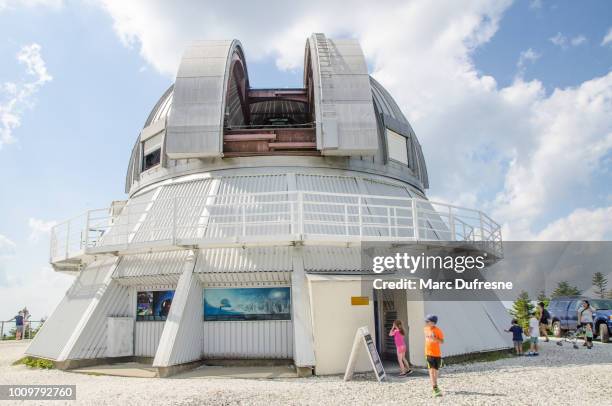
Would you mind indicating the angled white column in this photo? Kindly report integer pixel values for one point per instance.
(181, 340)
(303, 348)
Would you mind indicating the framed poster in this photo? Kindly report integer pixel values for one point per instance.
(227, 304)
(153, 305)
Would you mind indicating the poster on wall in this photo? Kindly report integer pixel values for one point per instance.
(247, 304)
(153, 305)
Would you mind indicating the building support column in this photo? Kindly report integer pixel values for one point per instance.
(303, 346)
(181, 340)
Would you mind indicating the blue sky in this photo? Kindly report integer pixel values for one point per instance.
(109, 65)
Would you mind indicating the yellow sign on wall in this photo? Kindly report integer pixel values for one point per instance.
(360, 300)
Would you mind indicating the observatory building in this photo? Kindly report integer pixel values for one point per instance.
(246, 212)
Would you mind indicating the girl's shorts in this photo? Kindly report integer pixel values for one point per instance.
(534, 340)
(518, 342)
(401, 349)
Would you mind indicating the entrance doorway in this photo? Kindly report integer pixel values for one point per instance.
(389, 305)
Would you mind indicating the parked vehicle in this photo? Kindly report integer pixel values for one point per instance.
(564, 315)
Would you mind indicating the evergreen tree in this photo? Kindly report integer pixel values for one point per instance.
(521, 308)
(565, 289)
(543, 298)
(600, 282)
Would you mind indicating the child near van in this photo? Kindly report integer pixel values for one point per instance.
(398, 334)
(589, 335)
(433, 338)
(534, 332)
(517, 336)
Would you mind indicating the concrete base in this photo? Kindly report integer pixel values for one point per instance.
(164, 372)
(304, 372)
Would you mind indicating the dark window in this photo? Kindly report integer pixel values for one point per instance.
(151, 159)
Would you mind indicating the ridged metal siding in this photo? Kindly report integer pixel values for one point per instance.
(114, 301)
(332, 259)
(248, 339)
(195, 127)
(187, 343)
(261, 208)
(151, 264)
(60, 326)
(227, 260)
(146, 337)
(188, 200)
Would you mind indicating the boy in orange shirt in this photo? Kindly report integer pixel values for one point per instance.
(433, 338)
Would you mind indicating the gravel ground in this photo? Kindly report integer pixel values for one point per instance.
(560, 375)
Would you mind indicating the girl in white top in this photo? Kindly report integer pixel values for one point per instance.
(585, 316)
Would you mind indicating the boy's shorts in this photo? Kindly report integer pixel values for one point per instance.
(534, 340)
(518, 342)
(434, 362)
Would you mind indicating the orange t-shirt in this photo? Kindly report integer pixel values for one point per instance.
(432, 347)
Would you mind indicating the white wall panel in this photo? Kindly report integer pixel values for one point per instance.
(248, 339)
(147, 335)
(61, 330)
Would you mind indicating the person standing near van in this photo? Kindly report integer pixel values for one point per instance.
(585, 317)
(544, 320)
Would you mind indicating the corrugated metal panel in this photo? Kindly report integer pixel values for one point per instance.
(315, 212)
(154, 282)
(248, 339)
(398, 214)
(114, 301)
(146, 337)
(332, 259)
(186, 346)
(478, 332)
(149, 264)
(126, 223)
(255, 209)
(245, 279)
(346, 124)
(195, 127)
(188, 199)
(223, 260)
(57, 331)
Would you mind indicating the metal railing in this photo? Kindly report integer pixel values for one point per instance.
(8, 329)
(266, 218)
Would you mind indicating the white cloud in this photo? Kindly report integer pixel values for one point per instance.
(535, 4)
(581, 225)
(10, 4)
(607, 39)
(564, 42)
(39, 228)
(513, 151)
(526, 56)
(41, 291)
(20, 96)
(7, 247)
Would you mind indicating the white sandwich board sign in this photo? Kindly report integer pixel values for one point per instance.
(363, 336)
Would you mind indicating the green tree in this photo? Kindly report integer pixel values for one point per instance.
(565, 289)
(600, 282)
(543, 298)
(521, 308)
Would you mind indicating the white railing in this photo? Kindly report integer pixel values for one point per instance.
(269, 218)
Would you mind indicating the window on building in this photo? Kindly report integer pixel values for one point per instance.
(397, 146)
(151, 152)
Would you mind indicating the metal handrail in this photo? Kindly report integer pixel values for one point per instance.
(300, 213)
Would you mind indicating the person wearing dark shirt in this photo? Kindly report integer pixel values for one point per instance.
(544, 320)
(19, 326)
(517, 336)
